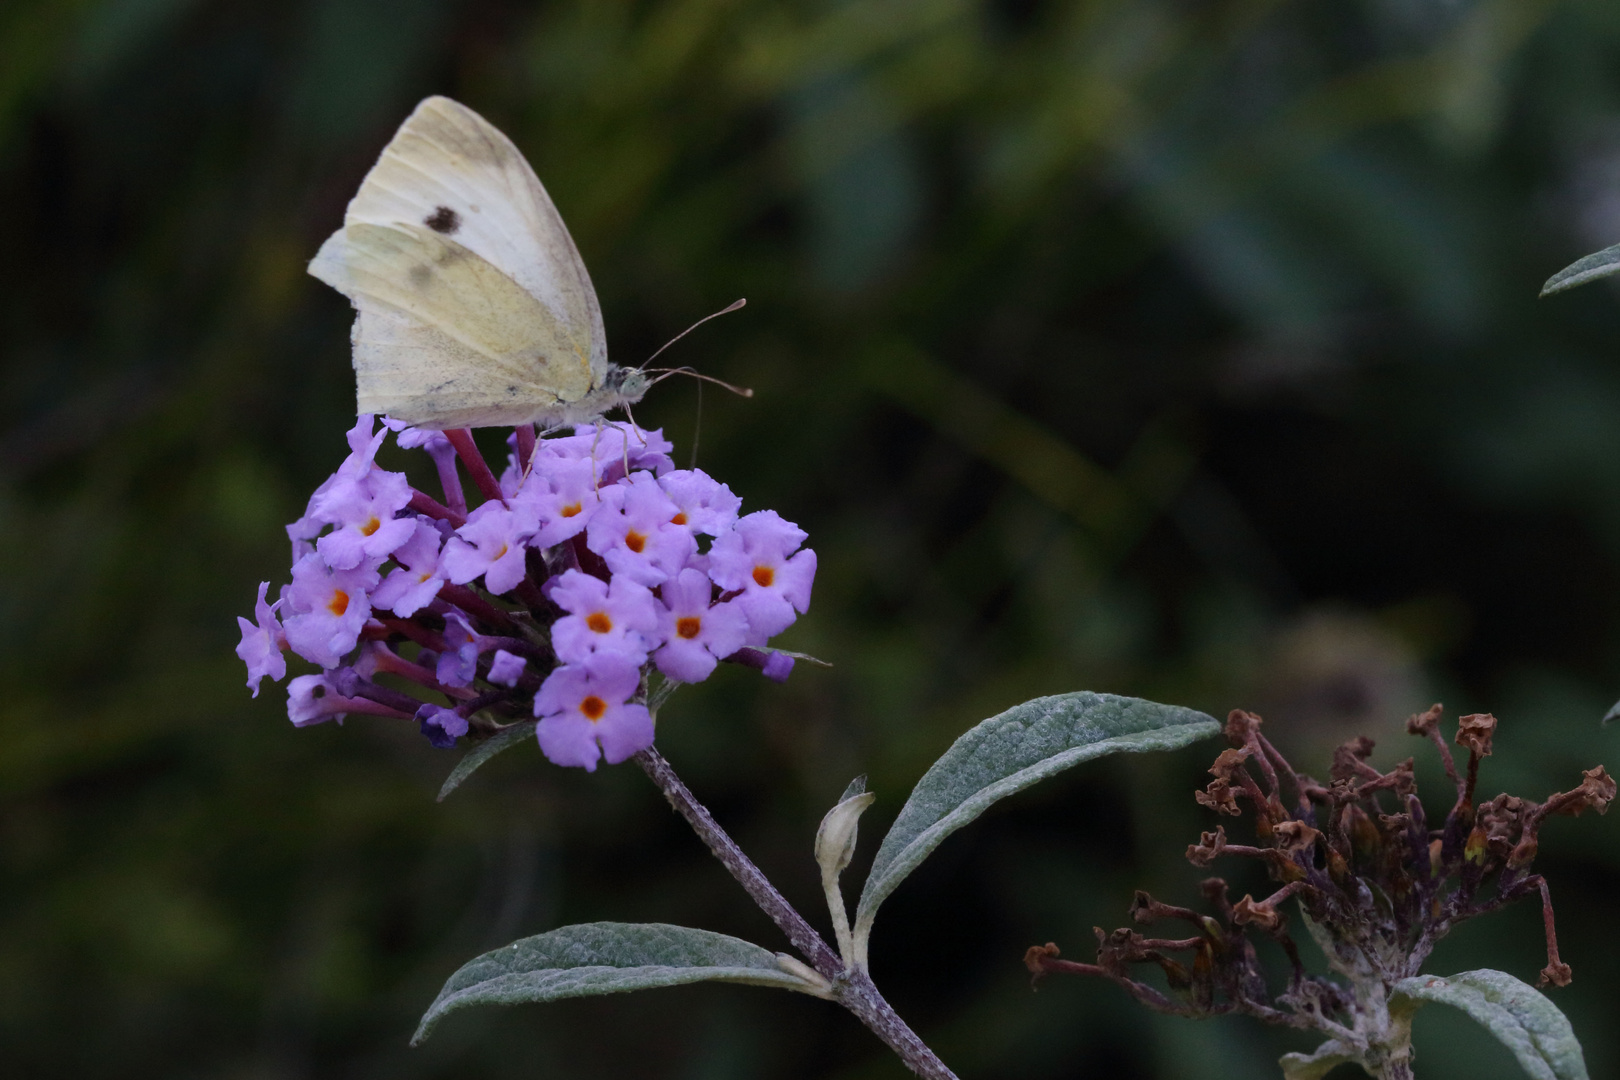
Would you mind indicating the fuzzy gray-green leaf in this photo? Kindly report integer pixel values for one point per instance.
(1519, 1015)
(604, 958)
(1314, 1066)
(1006, 754)
(1598, 264)
(479, 754)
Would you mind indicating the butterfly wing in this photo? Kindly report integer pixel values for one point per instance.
(443, 337)
(467, 284)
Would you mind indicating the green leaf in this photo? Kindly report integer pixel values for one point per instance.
(504, 739)
(609, 958)
(1594, 266)
(1006, 754)
(1519, 1015)
(1313, 1066)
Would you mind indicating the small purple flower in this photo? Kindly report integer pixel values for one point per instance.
(412, 585)
(756, 558)
(561, 493)
(635, 534)
(458, 663)
(585, 712)
(775, 666)
(444, 460)
(491, 543)
(311, 699)
(441, 726)
(314, 699)
(506, 668)
(329, 609)
(363, 447)
(619, 617)
(696, 635)
(613, 448)
(364, 442)
(702, 504)
(778, 666)
(262, 642)
(362, 515)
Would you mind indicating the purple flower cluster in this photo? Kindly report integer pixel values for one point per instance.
(591, 562)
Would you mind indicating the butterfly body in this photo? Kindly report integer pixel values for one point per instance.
(473, 307)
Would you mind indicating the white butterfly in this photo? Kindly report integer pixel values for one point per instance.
(473, 305)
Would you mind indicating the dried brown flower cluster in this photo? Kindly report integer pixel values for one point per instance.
(1378, 885)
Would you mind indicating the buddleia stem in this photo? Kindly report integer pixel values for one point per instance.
(852, 988)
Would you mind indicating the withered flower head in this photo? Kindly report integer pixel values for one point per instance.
(1424, 722)
(1474, 731)
(1379, 880)
(1218, 797)
(1209, 845)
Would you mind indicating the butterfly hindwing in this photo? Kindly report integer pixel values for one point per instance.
(405, 368)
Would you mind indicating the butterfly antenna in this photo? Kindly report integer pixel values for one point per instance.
(727, 310)
(664, 373)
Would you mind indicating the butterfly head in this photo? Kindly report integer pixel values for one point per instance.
(625, 385)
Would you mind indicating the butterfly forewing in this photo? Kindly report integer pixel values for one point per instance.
(452, 238)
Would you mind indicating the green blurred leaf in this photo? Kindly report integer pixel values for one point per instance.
(604, 958)
(1317, 1064)
(505, 739)
(1520, 1016)
(1599, 264)
(1006, 754)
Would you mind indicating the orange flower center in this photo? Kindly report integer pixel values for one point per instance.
(571, 509)
(689, 627)
(763, 576)
(599, 622)
(339, 602)
(635, 541)
(371, 526)
(507, 547)
(678, 519)
(593, 707)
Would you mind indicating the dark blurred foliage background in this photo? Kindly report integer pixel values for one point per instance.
(1181, 349)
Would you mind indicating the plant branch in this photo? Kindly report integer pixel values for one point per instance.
(852, 987)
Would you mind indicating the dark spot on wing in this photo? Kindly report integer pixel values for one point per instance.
(420, 275)
(443, 220)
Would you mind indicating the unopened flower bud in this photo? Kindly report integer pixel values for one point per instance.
(1477, 846)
